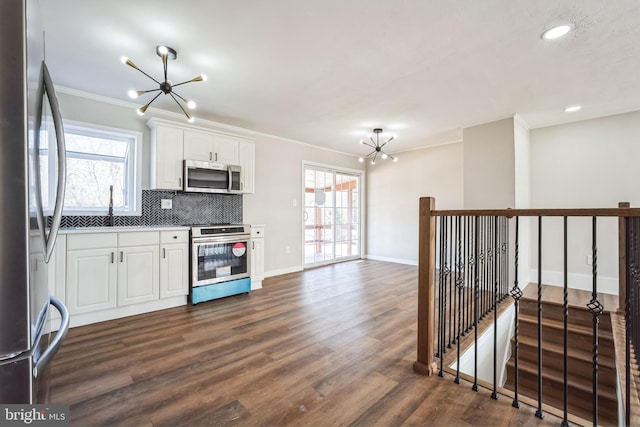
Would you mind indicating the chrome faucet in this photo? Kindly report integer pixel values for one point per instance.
(110, 217)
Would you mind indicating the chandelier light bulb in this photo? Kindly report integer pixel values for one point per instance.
(384, 156)
(140, 112)
(395, 159)
(133, 94)
(373, 162)
(124, 59)
(162, 50)
(191, 119)
(191, 104)
(361, 159)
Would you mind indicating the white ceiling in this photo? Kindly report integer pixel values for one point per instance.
(326, 72)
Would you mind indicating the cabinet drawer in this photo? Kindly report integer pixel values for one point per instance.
(257, 231)
(91, 241)
(180, 236)
(138, 238)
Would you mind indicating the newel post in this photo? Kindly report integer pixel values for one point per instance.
(426, 288)
(622, 258)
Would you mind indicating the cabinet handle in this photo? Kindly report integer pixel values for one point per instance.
(210, 155)
(216, 157)
(112, 257)
(164, 252)
(175, 237)
(180, 182)
(121, 256)
(253, 245)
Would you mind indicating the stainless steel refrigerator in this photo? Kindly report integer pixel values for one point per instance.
(29, 116)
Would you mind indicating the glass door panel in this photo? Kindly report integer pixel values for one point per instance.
(331, 215)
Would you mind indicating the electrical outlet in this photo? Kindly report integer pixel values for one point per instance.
(166, 204)
(589, 260)
(287, 249)
(295, 202)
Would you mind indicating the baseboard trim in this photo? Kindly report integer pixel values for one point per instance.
(389, 259)
(281, 271)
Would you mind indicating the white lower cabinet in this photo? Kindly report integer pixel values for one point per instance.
(91, 279)
(257, 256)
(138, 275)
(112, 275)
(174, 263)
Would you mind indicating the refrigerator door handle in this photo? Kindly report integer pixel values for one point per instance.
(46, 85)
(62, 163)
(54, 346)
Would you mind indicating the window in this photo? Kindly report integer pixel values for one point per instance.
(97, 158)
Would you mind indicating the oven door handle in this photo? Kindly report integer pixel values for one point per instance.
(221, 239)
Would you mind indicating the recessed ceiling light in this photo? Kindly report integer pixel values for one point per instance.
(556, 32)
(572, 108)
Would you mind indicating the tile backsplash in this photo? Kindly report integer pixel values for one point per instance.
(188, 209)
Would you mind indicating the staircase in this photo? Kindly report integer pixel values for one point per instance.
(579, 353)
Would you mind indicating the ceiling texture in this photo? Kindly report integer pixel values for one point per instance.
(326, 72)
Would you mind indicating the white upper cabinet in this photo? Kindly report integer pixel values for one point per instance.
(210, 147)
(172, 143)
(166, 157)
(247, 159)
(225, 149)
(198, 146)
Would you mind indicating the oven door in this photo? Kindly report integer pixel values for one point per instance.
(219, 259)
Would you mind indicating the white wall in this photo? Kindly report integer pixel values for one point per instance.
(393, 193)
(278, 184)
(592, 163)
(489, 172)
(522, 175)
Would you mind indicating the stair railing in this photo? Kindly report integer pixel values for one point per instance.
(464, 270)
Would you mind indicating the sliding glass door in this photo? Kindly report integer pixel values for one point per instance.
(332, 215)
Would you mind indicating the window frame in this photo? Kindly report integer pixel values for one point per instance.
(133, 169)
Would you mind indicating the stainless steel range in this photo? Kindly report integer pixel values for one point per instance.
(220, 261)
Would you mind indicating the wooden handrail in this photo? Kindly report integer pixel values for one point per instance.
(609, 212)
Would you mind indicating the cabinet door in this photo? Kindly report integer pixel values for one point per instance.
(257, 259)
(198, 146)
(138, 274)
(166, 164)
(91, 280)
(246, 159)
(174, 270)
(225, 149)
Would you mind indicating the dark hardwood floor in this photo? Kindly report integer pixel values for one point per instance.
(329, 346)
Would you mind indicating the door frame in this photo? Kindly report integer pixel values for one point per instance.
(336, 169)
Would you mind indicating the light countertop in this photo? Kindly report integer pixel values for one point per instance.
(77, 230)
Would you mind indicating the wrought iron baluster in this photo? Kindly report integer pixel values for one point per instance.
(450, 281)
(494, 394)
(437, 231)
(539, 412)
(443, 293)
(472, 263)
(596, 309)
(565, 309)
(476, 280)
(459, 286)
(516, 293)
(627, 316)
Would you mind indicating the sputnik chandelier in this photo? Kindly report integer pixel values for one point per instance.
(377, 147)
(166, 86)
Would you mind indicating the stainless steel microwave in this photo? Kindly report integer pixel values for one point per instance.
(208, 177)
